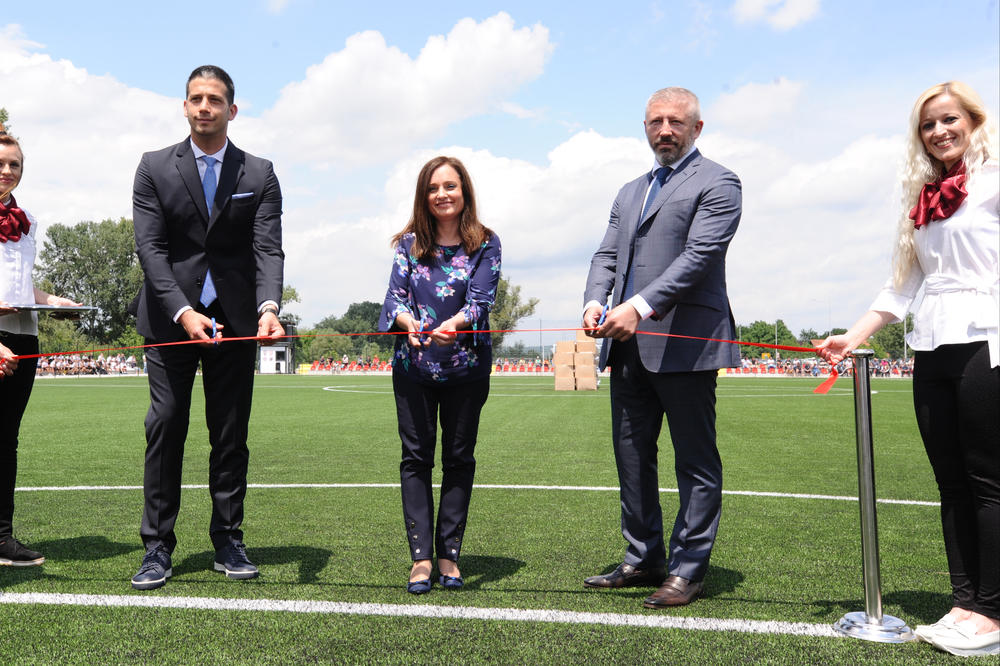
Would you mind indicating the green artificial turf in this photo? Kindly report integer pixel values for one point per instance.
(777, 558)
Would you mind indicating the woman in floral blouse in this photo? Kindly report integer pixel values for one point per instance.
(441, 289)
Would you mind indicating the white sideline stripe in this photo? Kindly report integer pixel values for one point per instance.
(398, 610)
(488, 486)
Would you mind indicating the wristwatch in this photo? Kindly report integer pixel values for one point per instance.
(270, 308)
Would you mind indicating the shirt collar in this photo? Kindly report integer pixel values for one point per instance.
(199, 153)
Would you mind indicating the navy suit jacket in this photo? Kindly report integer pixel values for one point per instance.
(177, 242)
(678, 253)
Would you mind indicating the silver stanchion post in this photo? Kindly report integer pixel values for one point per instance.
(870, 625)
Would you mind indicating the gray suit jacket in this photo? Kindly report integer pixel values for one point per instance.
(678, 253)
(178, 242)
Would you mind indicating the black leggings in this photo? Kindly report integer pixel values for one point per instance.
(956, 395)
(14, 393)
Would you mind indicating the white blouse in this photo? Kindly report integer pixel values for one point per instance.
(959, 269)
(16, 287)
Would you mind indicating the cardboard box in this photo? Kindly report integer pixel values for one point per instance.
(587, 383)
(565, 384)
(588, 345)
(565, 346)
(562, 371)
(564, 358)
(584, 360)
(581, 336)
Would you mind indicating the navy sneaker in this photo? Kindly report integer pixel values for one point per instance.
(154, 570)
(14, 554)
(233, 561)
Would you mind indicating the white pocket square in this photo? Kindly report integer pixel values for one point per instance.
(242, 195)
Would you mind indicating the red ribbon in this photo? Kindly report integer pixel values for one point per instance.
(822, 388)
(940, 199)
(13, 221)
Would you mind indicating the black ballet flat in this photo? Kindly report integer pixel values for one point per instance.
(451, 582)
(419, 586)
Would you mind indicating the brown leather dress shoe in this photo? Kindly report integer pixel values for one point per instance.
(675, 591)
(626, 575)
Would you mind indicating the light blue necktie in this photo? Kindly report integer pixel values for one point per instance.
(659, 176)
(209, 185)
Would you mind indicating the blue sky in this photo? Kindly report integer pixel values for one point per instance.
(806, 100)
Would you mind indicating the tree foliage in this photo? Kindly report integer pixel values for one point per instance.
(94, 263)
(508, 309)
(889, 342)
(290, 295)
(775, 333)
(360, 317)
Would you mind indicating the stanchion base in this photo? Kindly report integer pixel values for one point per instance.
(860, 625)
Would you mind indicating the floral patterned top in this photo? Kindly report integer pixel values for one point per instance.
(431, 293)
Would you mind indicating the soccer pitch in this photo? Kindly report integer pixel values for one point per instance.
(324, 523)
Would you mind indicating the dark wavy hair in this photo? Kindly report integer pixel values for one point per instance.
(213, 72)
(423, 224)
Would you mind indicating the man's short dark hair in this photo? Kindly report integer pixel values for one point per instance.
(213, 72)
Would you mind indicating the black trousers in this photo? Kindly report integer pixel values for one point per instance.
(418, 408)
(227, 377)
(956, 395)
(14, 393)
(639, 401)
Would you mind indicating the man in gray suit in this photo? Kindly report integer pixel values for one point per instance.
(208, 234)
(663, 261)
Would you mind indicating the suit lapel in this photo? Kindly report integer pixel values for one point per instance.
(232, 172)
(188, 170)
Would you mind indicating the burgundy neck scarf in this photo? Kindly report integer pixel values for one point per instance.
(13, 221)
(940, 199)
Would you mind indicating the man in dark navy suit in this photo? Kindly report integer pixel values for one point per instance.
(208, 234)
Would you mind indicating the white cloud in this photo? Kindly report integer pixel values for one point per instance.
(756, 108)
(779, 14)
(277, 6)
(370, 101)
(549, 218)
(82, 134)
(814, 241)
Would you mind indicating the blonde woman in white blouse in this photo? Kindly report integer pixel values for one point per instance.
(948, 243)
(18, 335)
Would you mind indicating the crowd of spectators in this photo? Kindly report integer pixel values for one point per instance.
(345, 364)
(814, 367)
(81, 364)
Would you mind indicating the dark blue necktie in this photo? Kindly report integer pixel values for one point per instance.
(209, 185)
(659, 176)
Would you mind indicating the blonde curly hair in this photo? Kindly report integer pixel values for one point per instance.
(921, 168)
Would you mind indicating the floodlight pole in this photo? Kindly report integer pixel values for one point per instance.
(870, 625)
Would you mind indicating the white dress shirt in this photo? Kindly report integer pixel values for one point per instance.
(198, 155)
(958, 266)
(17, 259)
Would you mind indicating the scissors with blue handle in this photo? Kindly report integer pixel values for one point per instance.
(604, 315)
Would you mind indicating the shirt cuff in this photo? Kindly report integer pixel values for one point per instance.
(177, 315)
(591, 304)
(641, 306)
(260, 308)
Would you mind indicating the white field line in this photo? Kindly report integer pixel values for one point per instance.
(489, 486)
(421, 611)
